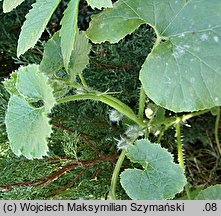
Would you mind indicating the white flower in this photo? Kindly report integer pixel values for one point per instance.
(149, 113)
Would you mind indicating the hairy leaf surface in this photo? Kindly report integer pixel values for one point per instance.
(35, 23)
(27, 124)
(9, 5)
(210, 193)
(160, 178)
(99, 3)
(183, 71)
(79, 57)
(52, 65)
(68, 30)
(10, 84)
(52, 60)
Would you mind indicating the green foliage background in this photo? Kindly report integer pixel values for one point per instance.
(114, 68)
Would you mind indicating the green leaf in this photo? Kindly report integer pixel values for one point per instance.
(59, 88)
(186, 67)
(36, 22)
(210, 193)
(79, 56)
(100, 3)
(183, 71)
(113, 23)
(68, 30)
(215, 111)
(33, 86)
(9, 5)
(160, 178)
(126, 15)
(27, 128)
(52, 64)
(193, 193)
(10, 84)
(27, 125)
(52, 60)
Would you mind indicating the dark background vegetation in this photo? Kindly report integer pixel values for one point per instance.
(82, 130)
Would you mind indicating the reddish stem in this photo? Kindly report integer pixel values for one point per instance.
(70, 184)
(80, 136)
(49, 179)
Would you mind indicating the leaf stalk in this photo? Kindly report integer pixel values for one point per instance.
(107, 99)
(112, 193)
(217, 131)
(180, 151)
(141, 103)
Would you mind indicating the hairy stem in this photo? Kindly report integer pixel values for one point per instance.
(115, 175)
(73, 84)
(168, 122)
(107, 99)
(194, 114)
(161, 134)
(141, 103)
(122, 108)
(179, 144)
(187, 189)
(217, 131)
(180, 152)
(83, 81)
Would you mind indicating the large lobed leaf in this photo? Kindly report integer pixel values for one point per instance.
(27, 125)
(160, 178)
(183, 71)
(9, 5)
(35, 23)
